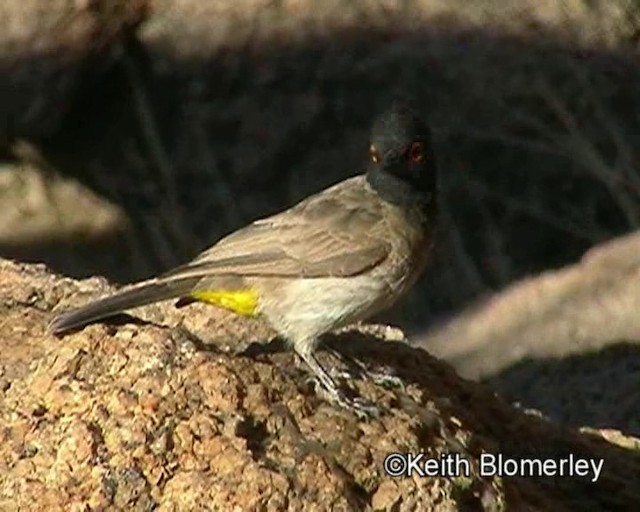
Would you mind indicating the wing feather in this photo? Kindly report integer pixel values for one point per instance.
(335, 233)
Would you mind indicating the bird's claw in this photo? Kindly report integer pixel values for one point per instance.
(361, 407)
(357, 369)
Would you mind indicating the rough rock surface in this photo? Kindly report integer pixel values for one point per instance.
(158, 412)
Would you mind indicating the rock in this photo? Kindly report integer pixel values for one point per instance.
(44, 46)
(161, 413)
(564, 342)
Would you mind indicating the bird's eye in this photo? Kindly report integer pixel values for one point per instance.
(374, 155)
(416, 152)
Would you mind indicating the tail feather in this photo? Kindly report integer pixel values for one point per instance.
(140, 295)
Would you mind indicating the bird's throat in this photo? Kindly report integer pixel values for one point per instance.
(400, 192)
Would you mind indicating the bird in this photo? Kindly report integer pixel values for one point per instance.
(335, 258)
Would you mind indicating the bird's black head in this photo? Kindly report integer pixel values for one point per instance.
(402, 167)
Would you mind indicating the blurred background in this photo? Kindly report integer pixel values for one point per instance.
(135, 133)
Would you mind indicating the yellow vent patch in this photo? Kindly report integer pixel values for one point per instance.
(242, 302)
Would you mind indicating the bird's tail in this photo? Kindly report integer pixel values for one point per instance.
(141, 294)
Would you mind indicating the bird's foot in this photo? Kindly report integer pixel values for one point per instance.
(357, 369)
(327, 387)
(361, 407)
(385, 379)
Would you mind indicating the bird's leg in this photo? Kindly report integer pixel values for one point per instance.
(333, 393)
(357, 369)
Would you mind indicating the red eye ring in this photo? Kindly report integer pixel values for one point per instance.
(416, 152)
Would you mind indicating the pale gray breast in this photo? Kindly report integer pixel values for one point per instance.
(305, 308)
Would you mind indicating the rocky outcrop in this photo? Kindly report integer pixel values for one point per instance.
(157, 409)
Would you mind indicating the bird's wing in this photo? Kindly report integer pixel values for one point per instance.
(338, 233)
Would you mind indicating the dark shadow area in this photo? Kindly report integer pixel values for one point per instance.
(192, 149)
(598, 389)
